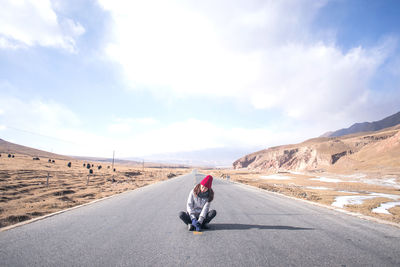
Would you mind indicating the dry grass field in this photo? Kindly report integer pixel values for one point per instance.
(357, 192)
(24, 193)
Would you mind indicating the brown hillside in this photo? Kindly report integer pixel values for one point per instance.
(376, 156)
(347, 152)
(11, 148)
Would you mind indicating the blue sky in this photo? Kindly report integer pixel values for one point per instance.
(148, 77)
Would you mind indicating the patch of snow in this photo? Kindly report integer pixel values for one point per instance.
(276, 177)
(386, 195)
(354, 176)
(391, 182)
(383, 208)
(327, 180)
(318, 187)
(341, 201)
(351, 192)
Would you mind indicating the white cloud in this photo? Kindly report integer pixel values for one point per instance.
(263, 53)
(193, 134)
(27, 23)
(146, 121)
(36, 115)
(128, 125)
(51, 126)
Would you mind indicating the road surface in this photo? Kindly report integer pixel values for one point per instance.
(252, 228)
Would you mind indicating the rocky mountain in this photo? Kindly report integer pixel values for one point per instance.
(367, 126)
(324, 153)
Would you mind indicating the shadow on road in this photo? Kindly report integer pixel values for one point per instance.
(238, 226)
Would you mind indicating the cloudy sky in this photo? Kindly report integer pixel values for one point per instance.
(143, 77)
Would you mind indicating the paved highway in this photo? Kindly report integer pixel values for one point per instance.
(252, 228)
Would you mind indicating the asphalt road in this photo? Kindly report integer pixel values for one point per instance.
(252, 228)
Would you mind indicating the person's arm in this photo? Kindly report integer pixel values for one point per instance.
(204, 212)
(190, 207)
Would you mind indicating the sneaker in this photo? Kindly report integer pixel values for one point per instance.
(190, 227)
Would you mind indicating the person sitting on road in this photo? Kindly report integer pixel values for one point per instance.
(198, 214)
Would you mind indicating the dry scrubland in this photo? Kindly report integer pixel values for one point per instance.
(301, 186)
(24, 193)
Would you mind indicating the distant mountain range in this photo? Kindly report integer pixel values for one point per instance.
(367, 126)
(214, 157)
(217, 157)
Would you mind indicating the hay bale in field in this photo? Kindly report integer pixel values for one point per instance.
(36, 158)
(69, 164)
(99, 167)
(88, 166)
(91, 171)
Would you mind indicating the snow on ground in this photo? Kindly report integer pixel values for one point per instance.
(354, 176)
(318, 187)
(390, 182)
(327, 180)
(351, 192)
(384, 207)
(276, 177)
(341, 201)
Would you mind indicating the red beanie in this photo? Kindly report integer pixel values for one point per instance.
(207, 181)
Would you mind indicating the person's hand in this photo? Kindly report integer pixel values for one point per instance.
(196, 224)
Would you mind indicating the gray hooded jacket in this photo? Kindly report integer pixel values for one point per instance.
(197, 207)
